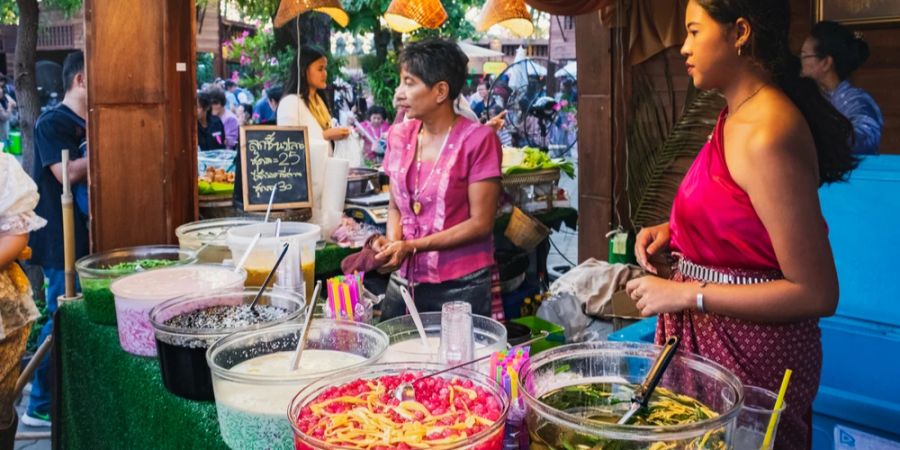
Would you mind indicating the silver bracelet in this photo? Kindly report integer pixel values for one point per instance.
(700, 298)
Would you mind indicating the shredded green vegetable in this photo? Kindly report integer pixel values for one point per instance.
(605, 403)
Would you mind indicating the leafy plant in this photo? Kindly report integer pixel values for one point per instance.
(659, 153)
(382, 81)
(259, 67)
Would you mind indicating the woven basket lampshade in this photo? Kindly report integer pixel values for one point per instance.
(288, 9)
(511, 14)
(408, 15)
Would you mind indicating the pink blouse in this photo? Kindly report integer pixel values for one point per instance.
(472, 154)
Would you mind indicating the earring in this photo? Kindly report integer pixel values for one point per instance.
(739, 50)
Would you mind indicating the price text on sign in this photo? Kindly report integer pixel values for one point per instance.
(275, 158)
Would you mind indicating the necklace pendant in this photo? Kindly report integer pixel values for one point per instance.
(416, 207)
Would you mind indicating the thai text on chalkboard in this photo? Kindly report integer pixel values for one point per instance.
(275, 158)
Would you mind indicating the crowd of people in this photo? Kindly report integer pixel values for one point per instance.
(782, 135)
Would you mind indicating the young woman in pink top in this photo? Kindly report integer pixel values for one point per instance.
(445, 185)
(753, 270)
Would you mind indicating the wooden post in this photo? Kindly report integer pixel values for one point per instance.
(595, 136)
(142, 134)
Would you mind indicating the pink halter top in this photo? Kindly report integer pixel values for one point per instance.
(713, 222)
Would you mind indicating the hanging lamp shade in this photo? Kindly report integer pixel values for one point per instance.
(288, 9)
(511, 14)
(408, 15)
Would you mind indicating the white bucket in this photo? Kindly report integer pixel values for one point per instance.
(298, 268)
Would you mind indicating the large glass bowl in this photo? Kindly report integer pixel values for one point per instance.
(214, 234)
(491, 438)
(182, 349)
(96, 274)
(254, 386)
(626, 363)
(490, 336)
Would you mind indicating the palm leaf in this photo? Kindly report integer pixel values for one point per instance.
(658, 178)
(657, 164)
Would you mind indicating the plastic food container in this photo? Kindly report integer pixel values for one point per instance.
(299, 264)
(217, 159)
(617, 364)
(182, 346)
(97, 272)
(194, 235)
(491, 438)
(253, 386)
(137, 294)
(490, 336)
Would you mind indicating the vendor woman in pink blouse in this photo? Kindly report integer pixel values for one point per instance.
(445, 185)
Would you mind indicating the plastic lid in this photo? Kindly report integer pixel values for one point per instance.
(164, 284)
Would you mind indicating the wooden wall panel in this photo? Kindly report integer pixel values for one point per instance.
(595, 141)
(127, 47)
(141, 68)
(131, 177)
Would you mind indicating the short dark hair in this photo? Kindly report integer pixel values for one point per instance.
(203, 99)
(848, 50)
(73, 65)
(377, 110)
(216, 96)
(230, 84)
(275, 93)
(435, 60)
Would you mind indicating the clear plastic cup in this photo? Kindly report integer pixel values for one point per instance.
(457, 338)
(753, 420)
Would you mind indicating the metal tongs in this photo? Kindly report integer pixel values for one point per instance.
(642, 394)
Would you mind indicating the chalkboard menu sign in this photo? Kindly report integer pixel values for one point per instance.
(275, 158)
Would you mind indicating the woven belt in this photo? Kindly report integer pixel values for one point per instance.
(710, 275)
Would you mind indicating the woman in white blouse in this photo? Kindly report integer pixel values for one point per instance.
(305, 105)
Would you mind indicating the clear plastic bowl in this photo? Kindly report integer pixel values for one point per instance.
(613, 362)
(182, 350)
(251, 406)
(489, 439)
(490, 336)
(194, 235)
(138, 293)
(95, 275)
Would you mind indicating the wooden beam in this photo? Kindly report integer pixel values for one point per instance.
(593, 48)
(141, 71)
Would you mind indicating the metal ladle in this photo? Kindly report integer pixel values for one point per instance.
(406, 391)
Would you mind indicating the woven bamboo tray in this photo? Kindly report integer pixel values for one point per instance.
(528, 178)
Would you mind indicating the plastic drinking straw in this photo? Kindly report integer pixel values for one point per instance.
(246, 254)
(271, 200)
(778, 404)
(277, 228)
(347, 306)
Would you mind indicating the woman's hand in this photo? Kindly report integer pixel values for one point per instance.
(393, 255)
(336, 133)
(654, 295)
(497, 121)
(649, 242)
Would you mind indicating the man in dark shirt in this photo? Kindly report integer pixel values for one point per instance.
(61, 128)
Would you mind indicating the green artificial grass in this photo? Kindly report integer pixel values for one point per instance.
(111, 399)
